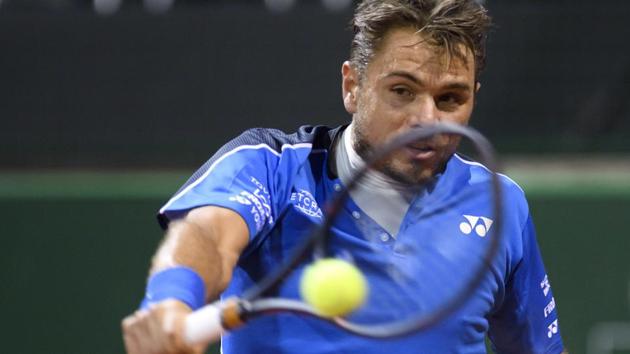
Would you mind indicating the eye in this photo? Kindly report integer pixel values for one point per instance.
(448, 101)
(402, 91)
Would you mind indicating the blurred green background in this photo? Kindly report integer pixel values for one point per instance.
(107, 106)
(76, 248)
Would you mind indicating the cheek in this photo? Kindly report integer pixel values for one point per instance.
(377, 118)
(465, 114)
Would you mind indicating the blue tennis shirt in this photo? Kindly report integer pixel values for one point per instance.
(279, 182)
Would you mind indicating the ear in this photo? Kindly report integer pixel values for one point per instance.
(349, 87)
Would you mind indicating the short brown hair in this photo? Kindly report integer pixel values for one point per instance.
(448, 24)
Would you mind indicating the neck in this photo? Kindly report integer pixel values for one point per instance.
(372, 178)
(382, 198)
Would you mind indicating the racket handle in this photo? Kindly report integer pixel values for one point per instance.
(204, 325)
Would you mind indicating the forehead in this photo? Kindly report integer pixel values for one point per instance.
(404, 49)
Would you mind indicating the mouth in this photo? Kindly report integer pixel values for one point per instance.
(421, 151)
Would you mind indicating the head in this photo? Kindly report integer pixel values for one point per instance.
(413, 62)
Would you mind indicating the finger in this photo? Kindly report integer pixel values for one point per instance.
(131, 325)
(141, 334)
(173, 322)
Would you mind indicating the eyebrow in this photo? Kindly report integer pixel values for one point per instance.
(451, 86)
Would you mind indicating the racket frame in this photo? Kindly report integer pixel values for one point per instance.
(207, 324)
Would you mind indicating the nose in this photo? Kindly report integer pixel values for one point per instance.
(424, 112)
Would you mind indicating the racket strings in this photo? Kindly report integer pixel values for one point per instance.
(417, 279)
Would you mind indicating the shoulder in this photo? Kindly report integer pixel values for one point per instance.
(480, 173)
(276, 141)
(267, 147)
(477, 173)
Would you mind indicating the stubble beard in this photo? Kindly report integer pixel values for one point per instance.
(412, 174)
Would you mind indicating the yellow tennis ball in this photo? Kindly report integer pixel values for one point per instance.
(333, 287)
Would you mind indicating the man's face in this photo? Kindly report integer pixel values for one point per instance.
(408, 83)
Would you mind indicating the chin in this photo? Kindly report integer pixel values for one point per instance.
(413, 172)
(410, 174)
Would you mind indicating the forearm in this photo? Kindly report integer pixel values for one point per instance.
(209, 240)
(187, 244)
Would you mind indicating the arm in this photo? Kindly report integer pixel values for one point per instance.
(209, 240)
(527, 320)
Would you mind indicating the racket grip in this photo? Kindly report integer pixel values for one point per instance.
(204, 326)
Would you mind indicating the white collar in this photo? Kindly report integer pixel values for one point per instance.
(382, 198)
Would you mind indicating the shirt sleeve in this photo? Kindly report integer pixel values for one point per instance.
(527, 320)
(242, 179)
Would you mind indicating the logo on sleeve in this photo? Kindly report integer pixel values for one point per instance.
(259, 201)
(550, 307)
(480, 224)
(545, 286)
(553, 329)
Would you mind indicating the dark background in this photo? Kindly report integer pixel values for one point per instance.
(136, 89)
(146, 92)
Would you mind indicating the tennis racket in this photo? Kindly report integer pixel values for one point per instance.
(414, 282)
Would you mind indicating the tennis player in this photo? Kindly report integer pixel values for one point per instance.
(412, 62)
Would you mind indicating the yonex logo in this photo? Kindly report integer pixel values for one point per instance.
(552, 329)
(472, 223)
